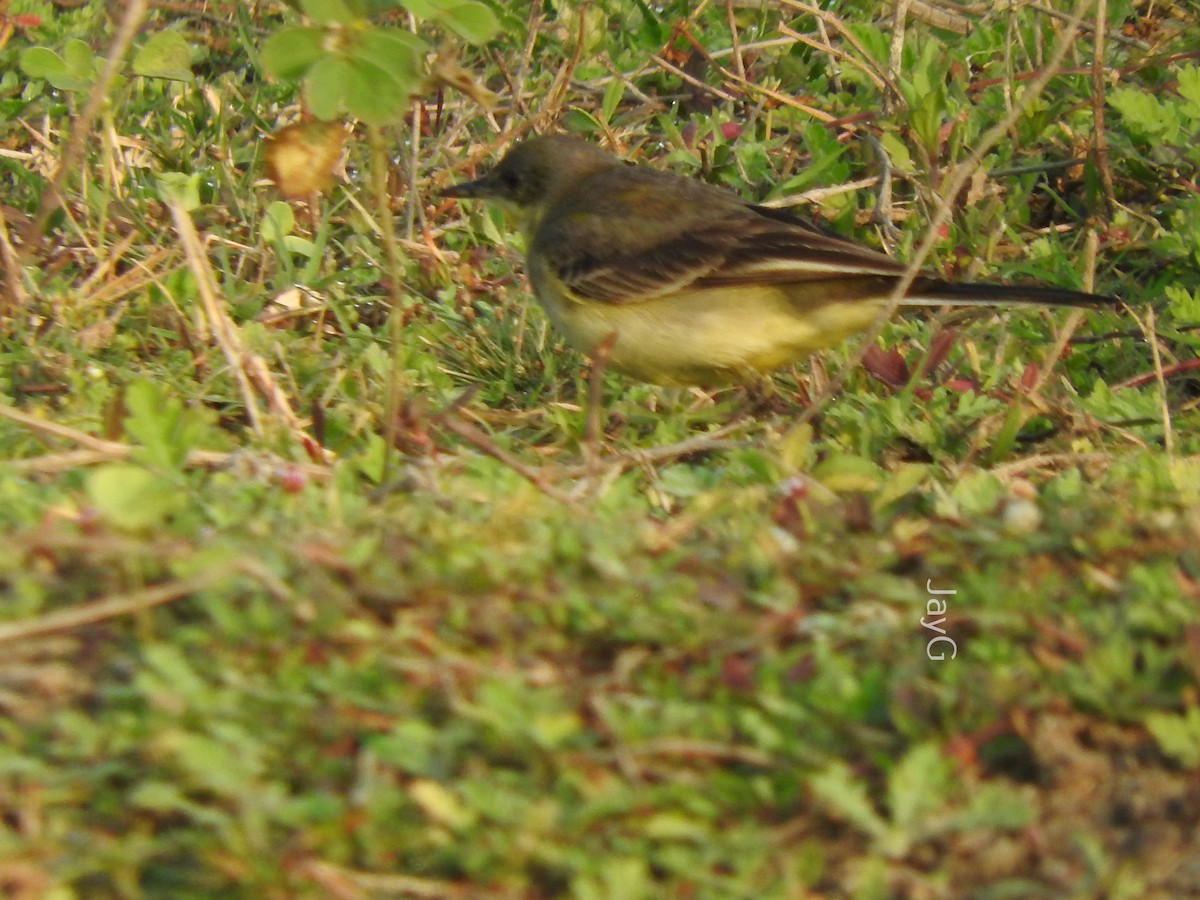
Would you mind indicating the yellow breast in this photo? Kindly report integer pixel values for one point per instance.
(707, 336)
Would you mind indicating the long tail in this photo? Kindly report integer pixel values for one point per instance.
(934, 292)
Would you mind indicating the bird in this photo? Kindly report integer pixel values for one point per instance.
(684, 283)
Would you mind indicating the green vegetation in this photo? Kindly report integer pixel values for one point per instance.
(316, 582)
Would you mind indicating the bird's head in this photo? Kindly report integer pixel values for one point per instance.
(534, 174)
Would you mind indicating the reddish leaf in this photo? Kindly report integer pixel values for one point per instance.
(887, 366)
(939, 349)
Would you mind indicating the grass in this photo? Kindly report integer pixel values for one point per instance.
(316, 585)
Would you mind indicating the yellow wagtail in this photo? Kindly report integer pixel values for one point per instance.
(691, 283)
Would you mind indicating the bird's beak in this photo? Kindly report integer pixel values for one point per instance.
(469, 189)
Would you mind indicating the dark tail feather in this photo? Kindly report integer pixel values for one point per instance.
(933, 292)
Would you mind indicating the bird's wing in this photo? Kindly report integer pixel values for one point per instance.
(737, 245)
(778, 248)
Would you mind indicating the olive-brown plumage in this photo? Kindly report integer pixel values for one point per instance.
(697, 285)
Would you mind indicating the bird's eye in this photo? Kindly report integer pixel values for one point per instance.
(510, 179)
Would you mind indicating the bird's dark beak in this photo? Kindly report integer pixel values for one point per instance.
(469, 189)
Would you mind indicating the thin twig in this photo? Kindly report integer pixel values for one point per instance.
(839, 26)
(1161, 378)
(835, 53)
(896, 52)
(739, 64)
(98, 450)
(1099, 133)
(1037, 168)
(752, 87)
(342, 883)
(1091, 249)
(1088, 26)
(562, 80)
(532, 30)
(691, 79)
(380, 157)
(1188, 365)
(701, 443)
(816, 195)
(54, 429)
(485, 444)
(1049, 460)
(12, 292)
(111, 607)
(942, 16)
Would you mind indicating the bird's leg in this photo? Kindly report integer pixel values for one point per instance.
(882, 214)
(759, 396)
(595, 404)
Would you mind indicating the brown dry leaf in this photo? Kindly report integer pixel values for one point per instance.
(301, 158)
(445, 71)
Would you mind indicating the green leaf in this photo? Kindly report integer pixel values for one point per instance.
(917, 786)
(374, 96)
(846, 797)
(1006, 438)
(411, 746)
(366, 9)
(278, 220)
(1178, 736)
(473, 22)
(1142, 111)
(1189, 90)
(674, 826)
(994, 806)
(132, 497)
(398, 53)
(167, 671)
(927, 114)
(159, 795)
(1184, 305)
(579, 121)
(181, 187)
(221, 766)
(326, 86)
(372, 79)
(901, 481)
(441, 804)
(372, 463)
(426, 10)
(328, 12)
(845, 472)
(470, 20)
(165, 55)
(552, 730)
(293, 243)
(612, 98)
(43, 63)
(978, 494)
(652, 27)
(290, 52)
(81, 61)
(164, 430)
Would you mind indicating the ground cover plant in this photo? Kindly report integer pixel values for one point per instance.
(329, 571)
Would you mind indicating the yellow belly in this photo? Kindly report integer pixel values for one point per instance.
(710, 336)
